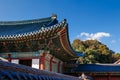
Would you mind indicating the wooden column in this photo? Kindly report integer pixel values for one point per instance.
(51, 63)
(9, 57)
(59, 67)
(42, 61)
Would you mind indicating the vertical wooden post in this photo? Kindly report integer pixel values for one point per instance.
(42, 61)
(63, 65)
(9, 57)
(59, 67)
(51, 63)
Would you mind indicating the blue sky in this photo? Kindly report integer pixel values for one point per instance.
(87, 19)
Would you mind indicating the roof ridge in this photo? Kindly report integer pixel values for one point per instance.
(25, 21)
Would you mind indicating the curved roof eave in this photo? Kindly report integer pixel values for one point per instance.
(65, 43)
(25, 26)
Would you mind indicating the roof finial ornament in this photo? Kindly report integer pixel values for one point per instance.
(54, 16)
(64, 21)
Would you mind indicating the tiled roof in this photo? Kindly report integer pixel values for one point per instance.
(10, 71)
(12, 28)
(98, 68)
(38, 29)
(41, 31)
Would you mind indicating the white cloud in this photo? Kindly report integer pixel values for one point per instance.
(95, 36)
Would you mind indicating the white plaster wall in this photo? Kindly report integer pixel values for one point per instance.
(35, 63)
(16, 61)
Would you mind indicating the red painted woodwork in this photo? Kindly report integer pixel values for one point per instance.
(101, 78)
(42, 61)
(107, 78)
(9, 57)
(115, 78)
(51, 63)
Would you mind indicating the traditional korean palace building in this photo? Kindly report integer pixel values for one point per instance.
(44, 44)
(39, 43)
